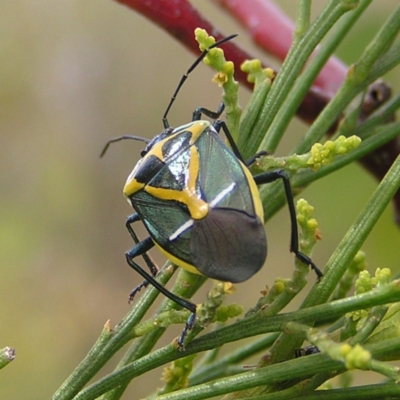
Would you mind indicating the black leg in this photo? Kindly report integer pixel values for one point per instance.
(197, 113)
(271, 176)
(218, 125)
(150, 263)
(253, 159)
(138, 250)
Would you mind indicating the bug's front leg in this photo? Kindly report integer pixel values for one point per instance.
(149, 262)
(139, 250)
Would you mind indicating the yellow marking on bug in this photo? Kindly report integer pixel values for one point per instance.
(180, 263)
(196, 128)
(132, 186)
(197, 207)
(255, 194)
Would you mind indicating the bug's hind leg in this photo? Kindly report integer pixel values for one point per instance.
(271, 176)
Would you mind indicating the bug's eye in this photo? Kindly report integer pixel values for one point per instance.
(143, 153)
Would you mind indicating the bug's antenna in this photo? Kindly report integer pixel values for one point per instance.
(124, 137)
(184, 77)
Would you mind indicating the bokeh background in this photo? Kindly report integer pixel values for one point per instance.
(73, 74)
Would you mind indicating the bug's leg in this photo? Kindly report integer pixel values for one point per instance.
(149, 262)
(253, 159)
(138, 250)
(218, 125)
(271, 176)
(199, 111)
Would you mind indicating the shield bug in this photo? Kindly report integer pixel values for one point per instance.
(199, 203)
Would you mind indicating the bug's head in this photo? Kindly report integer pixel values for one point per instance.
(161, 136)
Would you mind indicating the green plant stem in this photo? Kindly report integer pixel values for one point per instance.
(302, 20)
(355, 237)
(185, 286)
(367, 392)
(108, 343)
(306, 79)
(274, 192)
(245, 328)
(360, 75)
(290, 70)
(347, 249)
(377, 118)
(344, 254)
(372, 142)
(218, 368)
(248, 121)
(385, 63)
(261, 376)
(285, 371)
(355, 82)
(6, 356)
(375, 316)
(140, 347)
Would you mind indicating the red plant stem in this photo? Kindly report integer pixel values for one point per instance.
(179, 18)
(272, 30)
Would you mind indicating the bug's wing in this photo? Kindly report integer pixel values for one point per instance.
(219, 169)
(161, 219)
(228, 245)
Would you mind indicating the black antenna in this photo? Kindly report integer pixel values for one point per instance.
(184, 77)
(119, 138)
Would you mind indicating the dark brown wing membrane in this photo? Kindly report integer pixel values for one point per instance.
(228, 245)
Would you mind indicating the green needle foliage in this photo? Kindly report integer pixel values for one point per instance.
(354, 329)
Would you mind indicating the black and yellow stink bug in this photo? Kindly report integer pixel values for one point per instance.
(200, 204)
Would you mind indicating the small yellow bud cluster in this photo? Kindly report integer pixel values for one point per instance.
(355, 356)
(323, 154)
(304, 211)
(255, 72)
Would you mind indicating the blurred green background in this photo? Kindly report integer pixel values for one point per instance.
(73, 74)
